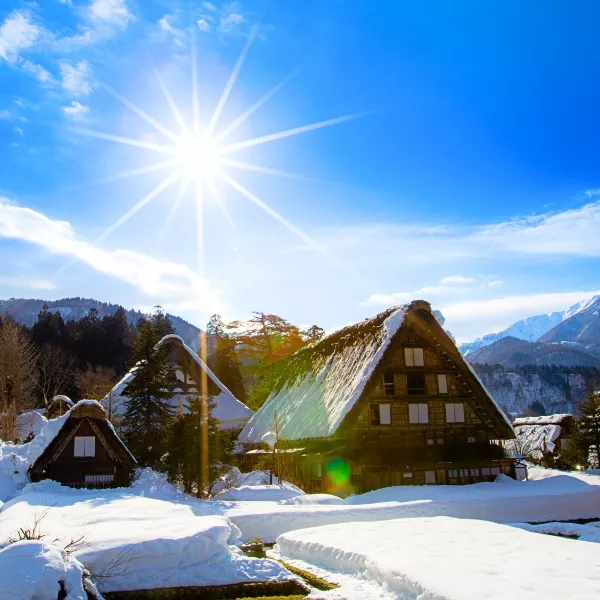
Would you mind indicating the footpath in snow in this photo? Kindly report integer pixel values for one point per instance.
(443, 558)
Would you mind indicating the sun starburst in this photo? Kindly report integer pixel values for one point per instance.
(199, 157)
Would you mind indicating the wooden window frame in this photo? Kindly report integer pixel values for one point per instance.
(388, 386)
(451, 412)
(378, 419)
(442, 377)
(84, 446)
(414, 357)
(421, 391)
(422, 409)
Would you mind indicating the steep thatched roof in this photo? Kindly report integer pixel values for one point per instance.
(232, 413)
(323, 382)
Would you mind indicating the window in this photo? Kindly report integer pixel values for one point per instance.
(474, 472)
(415, 384)
(429, 477)
(429, 441)
(388, 384)
(99, 478)
(418, 413)
(440, 441)
(471, 440)
(407, 475)
(85, 446)
(442, 384)
(485, 471)
(452, 473)
(455, 413)
(319, 471)
(413, 357)
(381, 414)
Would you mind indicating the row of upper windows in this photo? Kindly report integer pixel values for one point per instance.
(418, 414)
(415, 383)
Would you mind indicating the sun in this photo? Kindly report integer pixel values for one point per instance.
(201, 157)
(198, 156)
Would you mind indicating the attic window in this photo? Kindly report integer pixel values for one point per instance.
(455, 412)
(415, 384)
(413, 357)
(388, 384)
(381, 414)
(85, 446)
(442, 381)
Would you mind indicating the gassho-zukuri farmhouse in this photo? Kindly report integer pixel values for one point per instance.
(385, 402)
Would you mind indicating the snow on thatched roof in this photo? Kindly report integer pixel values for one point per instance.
(538, 435)
(231, 413)
(325, 380)
(543, 420)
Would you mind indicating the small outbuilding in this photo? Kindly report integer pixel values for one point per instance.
(85, 451)
(58, 406)
(541, 438)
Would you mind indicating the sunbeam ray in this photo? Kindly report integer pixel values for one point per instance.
(185, 182)
(266, 170)
(237, 122)
(212, 184)
(134, 172)
(124, 140)
(195, 101)
(200, 226)
(290, 132)
(281, 219)
(140, 113)
(170, 101)
(134, 209)
(230, 83)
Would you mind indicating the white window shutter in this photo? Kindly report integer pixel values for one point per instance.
(79, 449)
(413, 413)
(385, 417)
(442, 384)
(418, 354)
(409, 358)
(450, 413)
(459, 413)
(429, 477)
(423, 413)
(90, 446)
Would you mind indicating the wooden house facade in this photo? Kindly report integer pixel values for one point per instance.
(85, 451)
(386, 402)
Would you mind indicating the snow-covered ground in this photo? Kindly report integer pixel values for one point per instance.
(443, 558)
(134, 542)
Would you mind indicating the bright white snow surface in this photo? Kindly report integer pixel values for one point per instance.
(134, 542)
(442, 558)
(31, 570)
(272, 493)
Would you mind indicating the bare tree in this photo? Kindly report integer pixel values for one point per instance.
(17, 377)
(55, 369)
(95, 382)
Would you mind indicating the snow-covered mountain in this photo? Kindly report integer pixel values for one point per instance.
(535, 328)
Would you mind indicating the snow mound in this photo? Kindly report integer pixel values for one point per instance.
(132, 542)
(450, 559)
(263, 493)
(32, 570)
(314, 500)
(30, 423)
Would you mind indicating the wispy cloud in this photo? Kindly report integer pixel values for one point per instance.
(109, 12)
(17, 33)
(447, 285)
(168, 282)
(75, 78)
(76, 110)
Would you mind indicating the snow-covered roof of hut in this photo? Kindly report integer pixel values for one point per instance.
(538, 435)
(30, 423)
(232, 413)
(323, 382)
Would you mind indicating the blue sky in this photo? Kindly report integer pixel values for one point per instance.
(470, 175)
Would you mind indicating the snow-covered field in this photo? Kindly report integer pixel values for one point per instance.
(443, 558)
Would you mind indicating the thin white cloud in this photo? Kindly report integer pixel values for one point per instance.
(209, 6)
(447, 285)
(203, 25)
(17, 33)
(40, 73)
(231, 21)
(76, 110)
(170, 283)
(75, 78)
(475, 318)
(112, 12)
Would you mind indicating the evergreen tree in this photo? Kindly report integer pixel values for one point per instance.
(161, 322)
(198, 450)
(584, 443)
(149, 411)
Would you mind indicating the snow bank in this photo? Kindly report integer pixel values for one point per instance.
(32, 570)
(584, 533)
(558, 498)
(263, 493)
(133, 542)
(314, 500)
(450, 559)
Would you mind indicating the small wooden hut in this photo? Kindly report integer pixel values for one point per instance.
(58, 406)
(85, 451)
(389, 401)
(541, 438)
